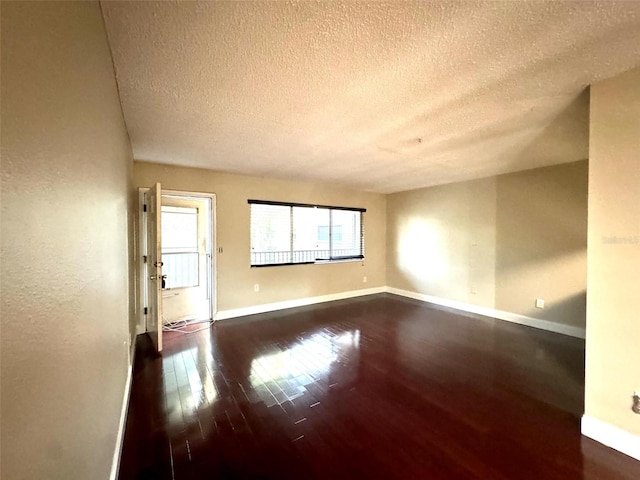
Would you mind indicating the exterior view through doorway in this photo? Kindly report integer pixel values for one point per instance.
(183, 270)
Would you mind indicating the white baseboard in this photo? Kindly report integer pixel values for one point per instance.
(490, 312)
(467, 307)
(115, 464)
(271, 307)
(611, 436)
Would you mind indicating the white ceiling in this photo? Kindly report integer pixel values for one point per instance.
(378, 96)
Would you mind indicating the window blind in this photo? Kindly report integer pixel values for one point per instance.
(295, 233)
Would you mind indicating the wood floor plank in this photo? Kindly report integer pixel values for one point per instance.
(372, 387)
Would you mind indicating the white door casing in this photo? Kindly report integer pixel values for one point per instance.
(146, 320)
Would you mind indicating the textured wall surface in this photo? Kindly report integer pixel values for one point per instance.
(441, 241)
(541, 242)
(613, 298)
(498, 242)
(64, 280)
(235, 277)
(382, 96)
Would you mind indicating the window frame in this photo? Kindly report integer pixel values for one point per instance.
(331, 259)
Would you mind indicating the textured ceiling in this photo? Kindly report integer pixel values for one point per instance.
(378, 96)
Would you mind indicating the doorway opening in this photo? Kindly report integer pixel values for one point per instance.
(187, 252)
(177, 245)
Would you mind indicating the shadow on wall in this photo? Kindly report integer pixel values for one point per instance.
(500, 242)
(541, 242)
(541, 224)
(574, 306)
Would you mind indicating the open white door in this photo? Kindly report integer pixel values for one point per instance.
(153, 201)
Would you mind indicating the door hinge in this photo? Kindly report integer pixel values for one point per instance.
(144, 207)
(146, 310)
(144, 259)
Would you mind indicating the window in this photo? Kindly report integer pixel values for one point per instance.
(323, 232)
(180, 246)
(291, 233)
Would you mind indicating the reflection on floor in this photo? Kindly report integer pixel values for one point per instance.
(373, 387)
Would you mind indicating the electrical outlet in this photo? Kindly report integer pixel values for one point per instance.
(539, 303)
(364, 279)
(635, 407)
(256, 287)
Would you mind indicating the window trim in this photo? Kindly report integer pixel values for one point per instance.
(339, 259)
(308, 205)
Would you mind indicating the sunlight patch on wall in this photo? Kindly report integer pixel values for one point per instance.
(421, 251)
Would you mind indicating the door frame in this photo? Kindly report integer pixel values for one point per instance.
(142, 267)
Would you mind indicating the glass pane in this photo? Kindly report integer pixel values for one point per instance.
(270, 234)
(345, 233)
(181, 269)
(310, 234)
(179, 229)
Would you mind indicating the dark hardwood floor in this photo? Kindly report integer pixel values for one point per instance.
(373, 387)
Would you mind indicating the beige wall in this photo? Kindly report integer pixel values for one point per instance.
(235, 278)
(499, 242)
(65, 164)
(441, 241)
(541, 242)
(613, 300)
